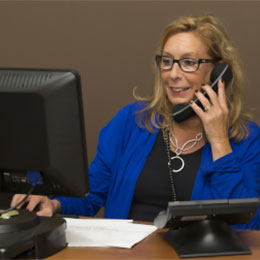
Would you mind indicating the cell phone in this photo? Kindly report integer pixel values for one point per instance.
(183, 111)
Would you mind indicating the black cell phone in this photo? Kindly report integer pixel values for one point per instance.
(183, 111)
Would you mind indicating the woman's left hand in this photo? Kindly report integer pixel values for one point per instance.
(214, 118)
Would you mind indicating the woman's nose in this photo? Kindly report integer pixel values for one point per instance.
(175, 70)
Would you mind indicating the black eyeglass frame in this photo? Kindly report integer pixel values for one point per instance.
(158, 59)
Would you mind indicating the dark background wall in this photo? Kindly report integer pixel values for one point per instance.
(112, 44)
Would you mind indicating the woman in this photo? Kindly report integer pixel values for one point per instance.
(145, 158)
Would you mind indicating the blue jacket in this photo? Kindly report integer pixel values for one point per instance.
(122, 151)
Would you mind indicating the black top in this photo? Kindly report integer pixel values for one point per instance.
(153, 188)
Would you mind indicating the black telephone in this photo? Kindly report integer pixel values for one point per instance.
(182, 112)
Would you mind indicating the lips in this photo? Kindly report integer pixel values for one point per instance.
(180, 89)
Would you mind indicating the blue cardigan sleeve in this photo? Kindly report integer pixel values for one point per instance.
(236, 175)
(112, 140)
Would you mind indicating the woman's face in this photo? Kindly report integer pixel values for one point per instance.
(180, 86)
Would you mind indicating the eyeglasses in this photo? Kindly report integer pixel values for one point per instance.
(185, 64)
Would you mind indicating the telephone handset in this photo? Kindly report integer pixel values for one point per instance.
(182, 112)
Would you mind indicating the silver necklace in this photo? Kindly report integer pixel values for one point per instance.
(167, 139)
(185, 147)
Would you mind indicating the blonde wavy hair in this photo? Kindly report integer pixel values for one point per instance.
(220, 46)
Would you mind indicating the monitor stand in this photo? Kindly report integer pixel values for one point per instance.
(206, 238)
(39, 236)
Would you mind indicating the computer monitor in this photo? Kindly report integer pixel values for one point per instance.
(42, 130)
(42, 145)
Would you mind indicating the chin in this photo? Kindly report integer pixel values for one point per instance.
(183, 101)
(180, 100)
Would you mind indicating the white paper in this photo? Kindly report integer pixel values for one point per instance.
(105, 232)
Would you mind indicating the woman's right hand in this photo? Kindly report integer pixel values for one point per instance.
(46, 206)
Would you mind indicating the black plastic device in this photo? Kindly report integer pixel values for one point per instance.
(31, 237)
(182, 112)
(202, 228)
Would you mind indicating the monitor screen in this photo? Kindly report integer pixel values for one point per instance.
(42, 130)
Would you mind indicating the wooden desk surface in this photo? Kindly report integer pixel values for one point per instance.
(154, 247)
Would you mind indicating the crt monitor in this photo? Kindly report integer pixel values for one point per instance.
(42, 131)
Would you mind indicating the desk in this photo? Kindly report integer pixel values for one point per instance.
(154, 247)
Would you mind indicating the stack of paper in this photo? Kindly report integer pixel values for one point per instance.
(105, 232)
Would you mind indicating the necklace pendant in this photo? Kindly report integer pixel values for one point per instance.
(182, 163)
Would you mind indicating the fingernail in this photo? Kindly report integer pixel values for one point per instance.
(191, 101)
